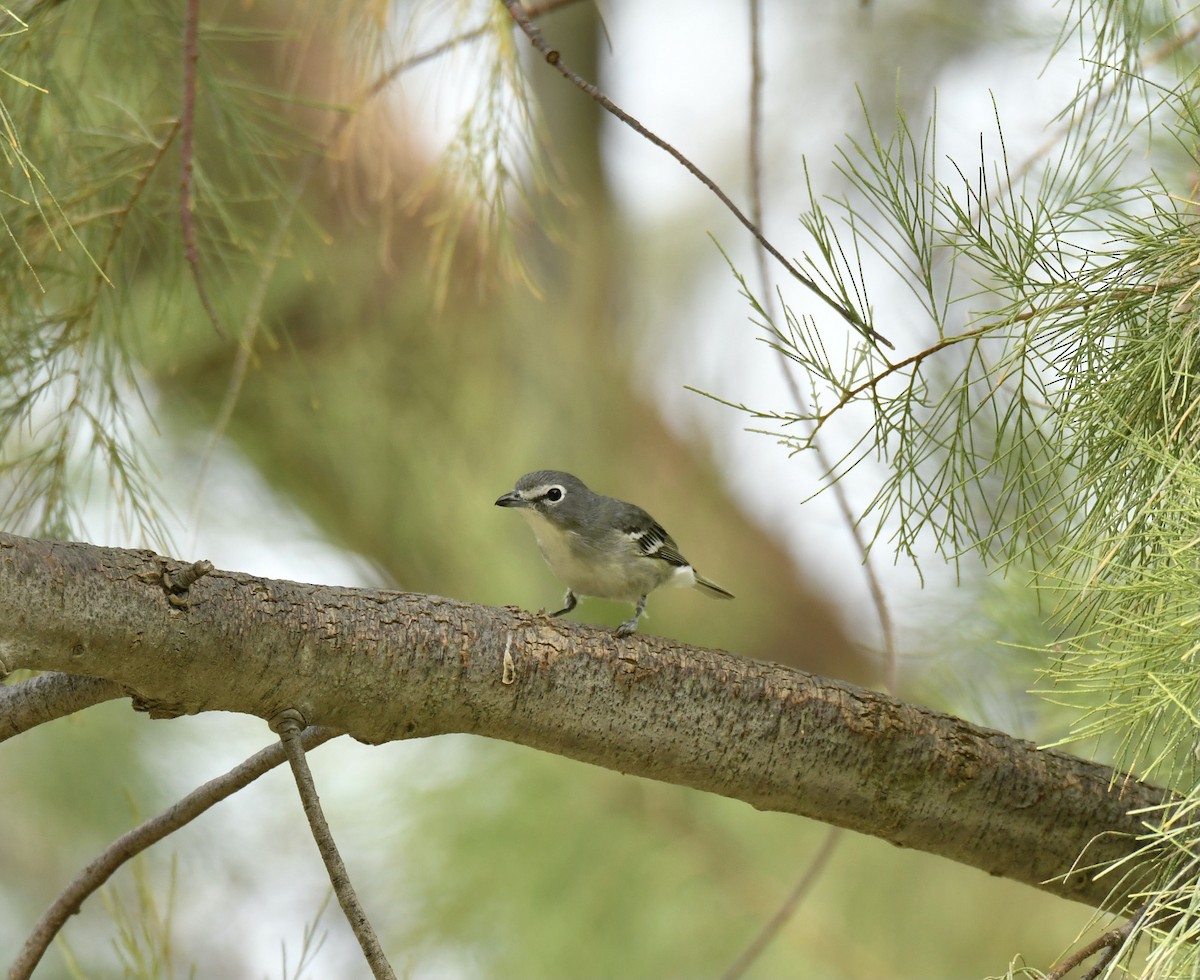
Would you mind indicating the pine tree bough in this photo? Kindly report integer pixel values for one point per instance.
(383, 666)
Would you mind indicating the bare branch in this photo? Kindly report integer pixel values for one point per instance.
(816, 865)
(130, 845)
(891, 660)
(554, 59)
(392, 665)
(787, 908)
(288, 725)
(49, 696)
(1108, 945)
(187, 120)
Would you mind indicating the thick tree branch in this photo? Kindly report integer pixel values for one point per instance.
(389, 665)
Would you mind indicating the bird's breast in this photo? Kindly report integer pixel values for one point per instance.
(597, 569)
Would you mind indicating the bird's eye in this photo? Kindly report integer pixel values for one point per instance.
(554, 494)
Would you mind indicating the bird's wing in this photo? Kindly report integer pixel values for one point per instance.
(652, 540)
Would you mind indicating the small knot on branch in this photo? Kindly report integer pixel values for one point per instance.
(186, 577)
(177, 583)
(287, 723)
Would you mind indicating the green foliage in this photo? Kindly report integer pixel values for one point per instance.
(311, 941)
(90, 203)
(103, 273)
(496, 172)
(1049, 423)
(141, 929)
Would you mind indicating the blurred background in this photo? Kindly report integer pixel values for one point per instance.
(420, 346)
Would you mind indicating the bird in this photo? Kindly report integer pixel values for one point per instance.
(599, 546)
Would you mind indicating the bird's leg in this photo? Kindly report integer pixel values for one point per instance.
(570, 601)
(629, 626)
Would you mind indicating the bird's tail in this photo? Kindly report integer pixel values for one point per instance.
(711, 589)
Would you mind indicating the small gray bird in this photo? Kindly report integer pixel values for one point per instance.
(600, 546)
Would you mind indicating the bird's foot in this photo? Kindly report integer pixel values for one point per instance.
(629, 627)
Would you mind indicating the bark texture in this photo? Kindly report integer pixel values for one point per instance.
(380, 666)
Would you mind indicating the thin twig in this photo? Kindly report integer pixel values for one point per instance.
(754, 137)
(122, 216)
(554, 59)
(1108, 945)
(533, 12)
(849, 394)
(133, 843)
(287, 724)
(1084, 302)
(187, 120)
(788, 908)
(891, 659)
(1163, 51)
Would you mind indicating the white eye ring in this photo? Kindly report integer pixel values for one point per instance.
(554, 494)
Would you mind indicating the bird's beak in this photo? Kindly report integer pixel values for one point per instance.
(512, 499)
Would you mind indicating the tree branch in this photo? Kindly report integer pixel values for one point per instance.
(391, 665)
(187, 118)
(1108, 945)
(522, 18)
(288, 724)
(130, 845)
(49, 696)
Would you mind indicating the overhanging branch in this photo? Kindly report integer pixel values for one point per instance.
(388, 665)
